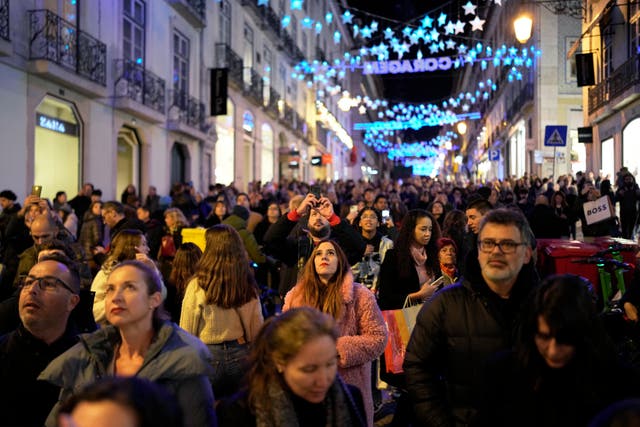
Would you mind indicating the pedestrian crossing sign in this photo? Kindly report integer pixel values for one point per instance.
(555, 136)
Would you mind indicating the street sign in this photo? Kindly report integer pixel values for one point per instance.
(555, 136)
(494, 155)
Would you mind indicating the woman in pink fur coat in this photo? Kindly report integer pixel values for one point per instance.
(327, 285)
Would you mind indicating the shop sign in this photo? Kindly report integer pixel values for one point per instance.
(56, 125)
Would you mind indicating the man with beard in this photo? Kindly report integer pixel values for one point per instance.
(316, 222)
(48, 294)
(465, 323)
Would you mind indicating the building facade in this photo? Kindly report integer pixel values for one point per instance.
(509, 138)
(119, 92)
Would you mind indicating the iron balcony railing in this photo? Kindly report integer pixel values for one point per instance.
(190, 110)
(141, 85)
(4, 20)
(54, 39)
(525, 95)
(227, 58)
(624, 77)
(290, 48)
(289, 117)
(199, 7)
(272, 104)
(253, 85)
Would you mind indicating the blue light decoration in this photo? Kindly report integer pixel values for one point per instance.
(347, 17)
(328, 18)
(296, 4)
(263, 2)
(286, 20)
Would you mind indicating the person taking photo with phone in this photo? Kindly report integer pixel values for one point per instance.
(367, 270)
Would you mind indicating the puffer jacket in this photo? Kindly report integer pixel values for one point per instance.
(249, 240)
(455, 334)
(176, 360)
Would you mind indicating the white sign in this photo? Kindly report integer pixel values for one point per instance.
(598, 210)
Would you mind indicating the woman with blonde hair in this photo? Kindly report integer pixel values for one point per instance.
(327, 285)
(126, 245)
(221, 306)
(293, 378)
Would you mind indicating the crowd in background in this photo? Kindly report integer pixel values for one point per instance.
(348, 249)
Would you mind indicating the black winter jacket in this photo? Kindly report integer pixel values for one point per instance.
(455, 334)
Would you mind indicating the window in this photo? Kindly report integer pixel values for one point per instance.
(180, 64)
(247, 57)
(607, 33)
(268, 75)
(634, 28)
(225, 22)
(133, 15)
(294, 29)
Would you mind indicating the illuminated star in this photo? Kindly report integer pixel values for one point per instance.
(401, 49)
(263, 2)
(374, 26)
(296, 4)
(498, 2)
(407, 32)
(477, 23)
(365, 32)
(450, 44)
(419, 33)
(307, 22)
(435, 35)
(469, 9)
(388, 33)
(426, 22)
(449, 28)
(413, 38)
(433, 48)
(459, 27)
(336, 37)
(286, 20)
(362, 109)
(462, 49)
(347, 17)
(442, 19)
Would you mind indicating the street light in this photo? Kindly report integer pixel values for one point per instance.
(522, 27)
(462, 128)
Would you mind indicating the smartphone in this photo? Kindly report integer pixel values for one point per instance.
(438, 282)
(353, 209)
(385, 214)
(316, 191)
(36, 190)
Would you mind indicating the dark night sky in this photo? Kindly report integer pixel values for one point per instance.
(412, 88)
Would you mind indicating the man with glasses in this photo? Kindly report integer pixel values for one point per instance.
(464, 324)
(48, 294)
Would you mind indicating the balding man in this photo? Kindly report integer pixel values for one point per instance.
(48, 294)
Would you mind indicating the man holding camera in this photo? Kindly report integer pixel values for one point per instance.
(316, 222)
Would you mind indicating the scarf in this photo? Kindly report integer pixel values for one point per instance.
(281, 412)
(449, 270)
(419, 256)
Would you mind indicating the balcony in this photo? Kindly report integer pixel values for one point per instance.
(138, 91)
(619, 89)
(525, 96)
(194, 11)
(5, 40)
(272, 108)
(186, 115)
(227, 58)
(265, 17)
(253, 85)
(57, 47)
(290, 48)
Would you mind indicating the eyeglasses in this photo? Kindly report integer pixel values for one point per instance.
(505, 246)
(46, 284)
(41, 237)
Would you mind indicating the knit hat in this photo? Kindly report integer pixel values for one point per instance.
(445, 241)
(9, 195)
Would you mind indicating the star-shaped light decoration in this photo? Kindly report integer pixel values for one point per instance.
(433, 48)
(426, 22)
(419, 33)
(365, 32)
(407, 32)
(296, 4)
(286, 20)
(434, 35)
(498, 2)
(401, 49)
(413, 38)
(318, 27)
(459, 27)
(388, 33)
(347, 17)
(263, 2)
(449, 28)
(477, 23)
(442, 19)
(306, 22)
(374, 26)
(336, 37)
(362, 109)
(383, 52)
(462, 49)
(469, 8)
(450, 44)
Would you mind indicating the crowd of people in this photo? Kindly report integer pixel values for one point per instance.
(108, 310)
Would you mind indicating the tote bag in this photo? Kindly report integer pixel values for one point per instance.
(400, 324)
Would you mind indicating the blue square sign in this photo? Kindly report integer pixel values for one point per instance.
(555, 136)
(494, 155)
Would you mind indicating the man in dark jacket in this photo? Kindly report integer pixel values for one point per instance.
(47, 297)
(322, 223)
(464, 324)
